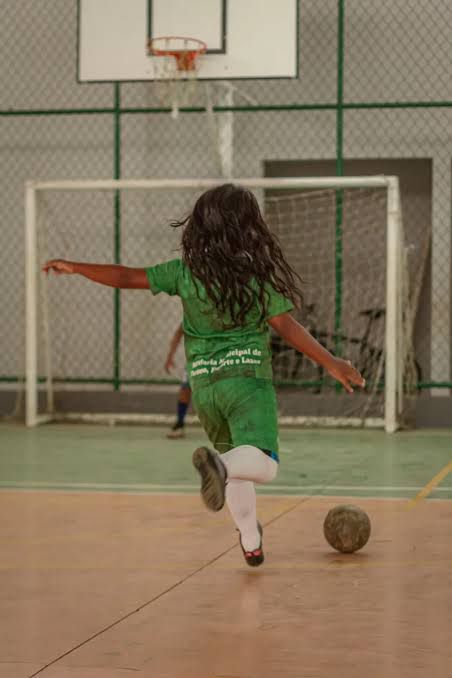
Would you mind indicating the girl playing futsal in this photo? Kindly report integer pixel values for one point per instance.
(234, 282)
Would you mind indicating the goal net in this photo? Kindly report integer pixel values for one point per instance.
(94, 353)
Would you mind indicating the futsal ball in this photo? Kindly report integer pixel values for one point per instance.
(347, 528)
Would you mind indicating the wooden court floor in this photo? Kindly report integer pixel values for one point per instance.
(111, 567)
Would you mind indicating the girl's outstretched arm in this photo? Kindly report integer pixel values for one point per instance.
(296, 336)
(106, 274)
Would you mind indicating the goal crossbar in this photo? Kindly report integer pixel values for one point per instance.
(379, 181)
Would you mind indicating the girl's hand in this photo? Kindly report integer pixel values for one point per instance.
(344, 372)
(59, 266)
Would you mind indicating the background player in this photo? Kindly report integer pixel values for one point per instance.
(184, 396)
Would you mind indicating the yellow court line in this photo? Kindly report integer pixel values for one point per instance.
(430, 486)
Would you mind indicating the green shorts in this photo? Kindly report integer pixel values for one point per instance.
(238, 411)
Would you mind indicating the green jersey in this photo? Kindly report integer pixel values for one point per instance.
(214, 350)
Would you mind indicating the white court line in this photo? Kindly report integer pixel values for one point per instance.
(265, 488)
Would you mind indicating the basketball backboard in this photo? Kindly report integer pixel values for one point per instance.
(245, 38)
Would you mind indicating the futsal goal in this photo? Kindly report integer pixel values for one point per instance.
(96, 354)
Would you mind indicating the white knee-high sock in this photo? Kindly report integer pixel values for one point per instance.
(246, 465)
(247, 462)
(241, 501)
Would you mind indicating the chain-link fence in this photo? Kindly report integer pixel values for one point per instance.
(374, 95)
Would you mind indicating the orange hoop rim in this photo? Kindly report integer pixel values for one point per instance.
(185, 56)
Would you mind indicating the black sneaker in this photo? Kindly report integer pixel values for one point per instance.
(256, 557)
(213, 477)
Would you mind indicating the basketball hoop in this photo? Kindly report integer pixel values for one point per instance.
(176, 69)
(185, 51)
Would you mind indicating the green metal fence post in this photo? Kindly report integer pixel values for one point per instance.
(117, 237)
(339, 173)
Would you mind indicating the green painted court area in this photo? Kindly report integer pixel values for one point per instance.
(141, 460)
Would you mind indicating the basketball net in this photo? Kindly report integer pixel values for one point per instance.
(176, 86)
(176, 70)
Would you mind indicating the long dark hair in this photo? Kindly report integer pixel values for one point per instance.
(229, 248)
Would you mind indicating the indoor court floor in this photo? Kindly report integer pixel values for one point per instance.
(111, 567)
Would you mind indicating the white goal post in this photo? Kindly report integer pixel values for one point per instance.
(39, 354)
